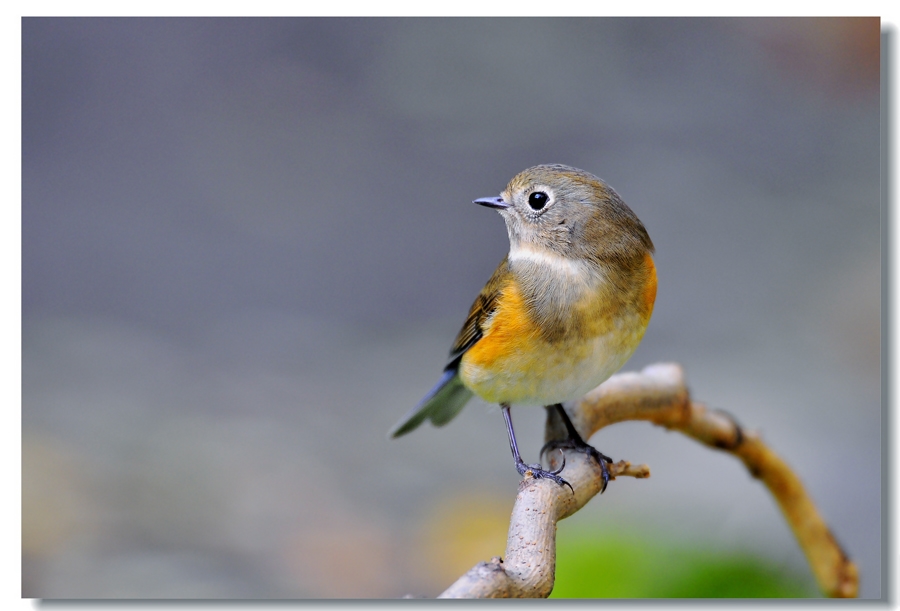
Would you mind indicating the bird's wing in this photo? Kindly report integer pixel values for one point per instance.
(480, 312)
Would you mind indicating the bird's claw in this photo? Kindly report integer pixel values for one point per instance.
(573, 444)
(538, 472)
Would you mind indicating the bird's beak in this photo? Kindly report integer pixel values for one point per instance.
(492, 202)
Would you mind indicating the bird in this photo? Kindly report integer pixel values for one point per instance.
(565, 309)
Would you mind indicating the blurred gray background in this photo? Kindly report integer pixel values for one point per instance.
(248, 245)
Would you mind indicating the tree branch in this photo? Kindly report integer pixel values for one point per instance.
(659, 395)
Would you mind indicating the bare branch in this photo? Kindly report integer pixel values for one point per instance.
(657, 394)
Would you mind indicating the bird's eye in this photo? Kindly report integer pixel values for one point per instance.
(538, 200)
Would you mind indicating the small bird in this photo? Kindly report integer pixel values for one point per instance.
(563, 311)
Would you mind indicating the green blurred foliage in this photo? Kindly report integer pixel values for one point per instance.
(598, 564)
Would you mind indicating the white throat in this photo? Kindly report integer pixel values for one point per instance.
(548, 258)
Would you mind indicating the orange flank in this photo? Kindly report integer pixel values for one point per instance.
(508, 331)
(650, 288)
(511, 362)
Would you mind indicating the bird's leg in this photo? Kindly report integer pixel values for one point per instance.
(575, 442)
(535, 470)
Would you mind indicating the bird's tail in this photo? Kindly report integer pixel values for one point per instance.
(440, 405)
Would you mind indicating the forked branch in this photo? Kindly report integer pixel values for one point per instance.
(657, 394)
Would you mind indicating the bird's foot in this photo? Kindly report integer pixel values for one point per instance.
(579, 445)
(538, 472)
